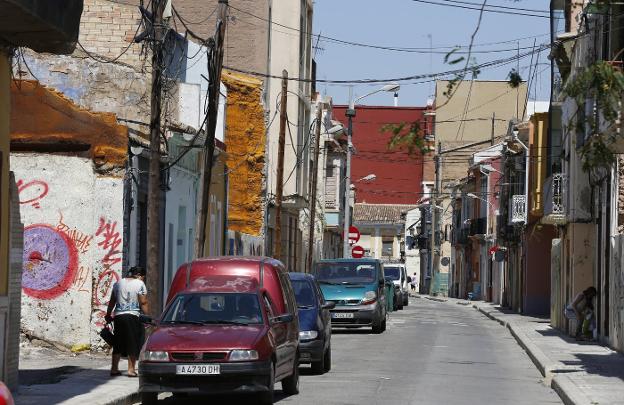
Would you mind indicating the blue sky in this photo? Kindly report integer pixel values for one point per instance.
(408, 23)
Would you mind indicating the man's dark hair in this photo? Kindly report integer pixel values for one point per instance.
(136, 271)
(590, 291)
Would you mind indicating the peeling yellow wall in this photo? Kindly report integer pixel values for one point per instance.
(246, 139)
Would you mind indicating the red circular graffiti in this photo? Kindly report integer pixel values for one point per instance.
(104, 278)
(43, 193)
(35, 256)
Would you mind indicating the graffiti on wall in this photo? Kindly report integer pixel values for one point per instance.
(108, 239)
(32, 193)
(80, 239)
(50, 261)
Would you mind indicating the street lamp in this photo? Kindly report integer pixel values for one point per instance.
(350, 113)
(488, 169)
(370, 177)
(476, 197)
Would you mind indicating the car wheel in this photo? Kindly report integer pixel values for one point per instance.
(377, 326)
(290, 384)
(406, 301)
(327, 358)
(266, 398)
(318, 367)
(149, 398)
(383, 325)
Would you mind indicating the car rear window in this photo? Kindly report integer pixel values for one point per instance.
(392, 272)
(304, 294)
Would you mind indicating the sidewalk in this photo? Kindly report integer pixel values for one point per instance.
(50, 376)
(580, 372)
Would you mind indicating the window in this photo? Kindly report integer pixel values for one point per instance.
(268, 305)
(387, 247)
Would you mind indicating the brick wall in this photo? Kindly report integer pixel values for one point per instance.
(107, 28)
(247, 37)
(15, 288)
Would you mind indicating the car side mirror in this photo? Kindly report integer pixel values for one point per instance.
(409, 279)
(382, 282)
(329, 305)
(286, 318)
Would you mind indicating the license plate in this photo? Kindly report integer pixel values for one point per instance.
(198, 369)
(342, 315)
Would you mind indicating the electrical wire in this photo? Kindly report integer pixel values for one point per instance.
(325, 38)
(477, 9)
(493, 63)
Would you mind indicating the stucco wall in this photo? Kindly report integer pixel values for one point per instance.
(73, 221)
(616, 294)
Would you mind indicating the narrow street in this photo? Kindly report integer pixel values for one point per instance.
(431, 353)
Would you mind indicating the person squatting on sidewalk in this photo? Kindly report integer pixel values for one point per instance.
(582, 309)
(128, 299)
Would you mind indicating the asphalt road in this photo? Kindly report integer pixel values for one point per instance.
(431, 353)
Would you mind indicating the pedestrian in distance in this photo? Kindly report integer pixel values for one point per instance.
(128, 299)
(413, 283)
(582, 309)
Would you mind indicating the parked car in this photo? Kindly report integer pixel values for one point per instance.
(5, 395)
(398, 274)
(230, 326)
(358, 288)
(314, 322)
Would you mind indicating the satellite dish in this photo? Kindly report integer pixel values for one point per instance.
(445, 261)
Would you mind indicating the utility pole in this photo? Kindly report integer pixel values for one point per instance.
(214, 84)
(493, 122)
(315, 165)
(277, 252)
(346, 253)
(154, 281)
(435, 221)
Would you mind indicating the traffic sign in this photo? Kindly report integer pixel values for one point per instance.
(354, 235)
(357, 252)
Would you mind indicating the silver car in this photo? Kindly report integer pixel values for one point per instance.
(398, 273)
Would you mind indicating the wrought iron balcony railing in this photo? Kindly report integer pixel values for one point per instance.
(519, 209)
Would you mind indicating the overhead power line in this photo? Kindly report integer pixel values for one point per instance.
(478, 8)
(325, 38)
(493, 63)
(498, 6)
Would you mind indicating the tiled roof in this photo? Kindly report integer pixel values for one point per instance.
(380, 213)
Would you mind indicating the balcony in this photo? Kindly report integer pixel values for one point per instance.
(478, 226)
(518, 209)
(554, 199)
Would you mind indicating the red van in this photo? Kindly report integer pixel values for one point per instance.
(230, 326)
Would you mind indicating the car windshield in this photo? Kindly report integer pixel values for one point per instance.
(393, 273)
(346, 273)
(214, 308)
(303, 293)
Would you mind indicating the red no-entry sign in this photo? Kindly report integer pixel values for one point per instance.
(357, 252)
(354, 235)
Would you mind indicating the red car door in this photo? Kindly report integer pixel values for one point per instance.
(278, 335)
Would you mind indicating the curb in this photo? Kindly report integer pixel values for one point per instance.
(569, 392)
(128, 399)
(436, 299)
(537, 356)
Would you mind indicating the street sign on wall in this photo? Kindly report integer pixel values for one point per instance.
(357, 252)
